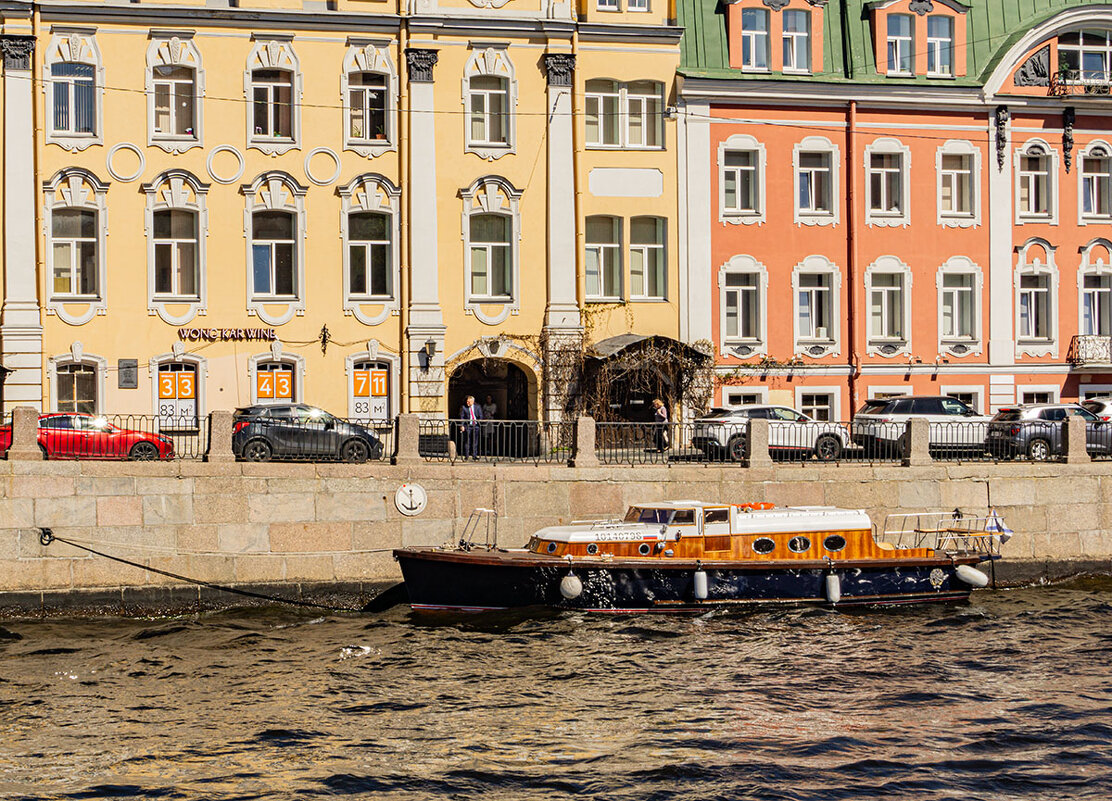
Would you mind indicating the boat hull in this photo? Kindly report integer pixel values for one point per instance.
(453, 580)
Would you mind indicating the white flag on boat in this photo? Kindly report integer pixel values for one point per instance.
(996, 525)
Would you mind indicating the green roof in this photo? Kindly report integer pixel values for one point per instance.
(992, 27)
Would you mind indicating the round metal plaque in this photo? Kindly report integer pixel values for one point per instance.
(411, 499)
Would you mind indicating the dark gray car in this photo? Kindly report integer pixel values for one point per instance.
(1038, 431)
(297, 431)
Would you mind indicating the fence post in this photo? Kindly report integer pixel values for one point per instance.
(1075, 451)
(220, 438)
(756, 444)
(916, 443)
(25, 435)
(584, 454)
(407, 442)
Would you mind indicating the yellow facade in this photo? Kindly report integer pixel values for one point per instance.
(229, 320)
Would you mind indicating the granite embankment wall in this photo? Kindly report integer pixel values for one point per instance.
(321, 528)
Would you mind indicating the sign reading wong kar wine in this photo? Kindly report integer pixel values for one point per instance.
(227, 334)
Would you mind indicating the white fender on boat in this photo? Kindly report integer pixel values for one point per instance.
(833, 588)
(971, 576)
(700, 585)
(571, 587)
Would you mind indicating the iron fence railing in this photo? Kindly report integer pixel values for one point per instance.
(493, 441)
(1079, 82)
(959, 441)
(1034, 440)
(134, 437)
(1090, 349)
(308, 437)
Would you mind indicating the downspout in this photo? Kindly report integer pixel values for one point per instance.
(403, 211)
(852, 192)
(576, 148)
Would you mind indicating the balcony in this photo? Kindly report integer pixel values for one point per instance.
(1067, 83)
(1090, 351)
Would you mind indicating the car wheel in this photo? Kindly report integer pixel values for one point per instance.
(45, 453)
(354, 451)
(828, 448)
(143, 452)
(257, 450)
(736, 448)
(1039, 450)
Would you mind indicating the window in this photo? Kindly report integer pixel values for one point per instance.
(754, 39)
(1096, 184)
(367, 104)
(370, 390)
(815, 310)
(491, 262)
(740, 180)
(886, 302)
(956, 196)
(817, 405)
(886, 184)
(901, 44)
(815, 184)
(177, 396)
(74, 84)
(175, 253)
(370, 261)
(646, 258)
(643, 107)
(940, 46)
(1085, 56)
(624, 115)
(489, 108)
(603, 258)
(274, 382)
(969, 399)
(74, 99)
(958, 305)
(1034, 307)
(1037, 396)
(797, 41)
(74, 241)
(602, 99)
(77, 388)
(743, 398)
(637, 5)
(174, 94)
(1096, 304)
(272, 104)
(273, 260)
(1035, 188)
(742, 291)
(607, 5)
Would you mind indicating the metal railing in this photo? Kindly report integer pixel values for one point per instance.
(950, 532)
(134, 437)
(326, 439)
(1064, 83)
(494, 441)
(1086, 349)
(959, 441)
(644, 443)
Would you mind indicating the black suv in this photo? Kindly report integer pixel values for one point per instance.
(296, 431)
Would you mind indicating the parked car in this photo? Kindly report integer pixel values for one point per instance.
(721, 433)
(1101, 407)
(63, 435)
(880, 425)
(296, 431)
(1038, 431)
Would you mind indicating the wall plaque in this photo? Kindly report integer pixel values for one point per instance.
(127, 372)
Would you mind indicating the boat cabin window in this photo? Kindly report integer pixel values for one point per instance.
(684, 517)
(716, 515)
(676, 517)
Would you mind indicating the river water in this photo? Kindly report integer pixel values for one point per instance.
(1008, 697)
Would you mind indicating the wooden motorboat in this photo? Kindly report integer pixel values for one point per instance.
(691, 555)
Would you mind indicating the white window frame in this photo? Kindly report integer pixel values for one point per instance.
(1090, 391)
(1091, 267)
(799, 42)
(1028, 266)
(936, 45)
(276, 355)
(752, 37)
(200, 376)
(969, 152)
(75, 46)
(1081, 49)
(1053, 390)
(761, 394)
(640, 6)
(175, 49)
(887, 146)
(739, 346)
(76, 356)
(492, 194)
(1029, 148)
(902, 43)
(881, 391)
(737, 143)
(889, 346)
(1097, 149)
(373, 353)
(371, 193)
(177, 190)
(76, 188)
(624, 98)
(817, 347)
(374, 57)
(834, 392)
(273, 53)
(822, 145)
(490, 60)
(602, 249)
(976, 390)
(961, 347)
(275, 191)
(607, 5)
(649, 252)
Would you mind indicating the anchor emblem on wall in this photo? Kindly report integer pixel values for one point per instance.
(411, 499)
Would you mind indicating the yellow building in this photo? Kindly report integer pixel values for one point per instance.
(374, 207)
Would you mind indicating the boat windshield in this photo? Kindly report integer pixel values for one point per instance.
(638, 515)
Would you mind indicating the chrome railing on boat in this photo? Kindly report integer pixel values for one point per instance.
(478, 517)
(947, 532)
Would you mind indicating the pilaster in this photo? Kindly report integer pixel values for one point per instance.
(1001, 340)
(563, 304)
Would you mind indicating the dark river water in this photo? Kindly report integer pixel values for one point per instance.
(1006, 698)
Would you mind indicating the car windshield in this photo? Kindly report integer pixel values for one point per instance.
(1085, 414)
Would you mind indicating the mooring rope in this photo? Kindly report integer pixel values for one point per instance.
(47, 536)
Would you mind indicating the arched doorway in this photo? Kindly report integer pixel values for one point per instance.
(503, 381)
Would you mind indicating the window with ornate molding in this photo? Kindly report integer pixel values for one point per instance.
(1034, 306)
(273, 254)
(624, 115)
(273, 86)
(367, 107)
(177, 223)
(369, 89)
(940, 46)
(1036, 299)
(74, 89)
(901, 44)
(1036, 187)
(796, 41)
(741, 179)
(490, 95)
(370, 231)
(370, 390)
(603, 258)
(77, 388)
(888, 299)
(274, 221)
(369, 252)
(490, 245)
(754, 39)
(74, 249)
(175, 81)
(174, 101)
(958, 164)
(743, 286)
(177, 395)
(887, 185)
(74, 222)
(276, 382)
(1094, 281)
(492, 232)
(1096, 184)
(175, 254)
(959, 284)
(646, 258)
(815, 286)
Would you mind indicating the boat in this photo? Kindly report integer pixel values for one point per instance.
(680, 556)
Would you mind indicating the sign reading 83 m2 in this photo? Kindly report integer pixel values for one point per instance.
(177, 396)
(370, 389)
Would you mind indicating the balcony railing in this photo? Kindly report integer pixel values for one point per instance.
(1065, 83)
(1090, 349)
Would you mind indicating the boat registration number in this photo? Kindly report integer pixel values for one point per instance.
(623, 536)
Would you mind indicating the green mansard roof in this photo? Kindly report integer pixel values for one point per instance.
(993, 27)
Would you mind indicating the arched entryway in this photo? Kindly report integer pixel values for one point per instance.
(499, 379)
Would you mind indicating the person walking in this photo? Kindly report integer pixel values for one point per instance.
(660, 428)
(470, 415)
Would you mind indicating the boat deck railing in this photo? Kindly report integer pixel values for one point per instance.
(482, 519)
(946, 532)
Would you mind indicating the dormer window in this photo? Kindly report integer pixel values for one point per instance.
(901, 44)
(920, 37)
(754, 39)
(797, 41)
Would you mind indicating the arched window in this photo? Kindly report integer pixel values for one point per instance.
(75, 78)
(174, 89)
(275, 226)
(370, 390)
(75, 213)
(370, 230)
(491, 235)
(490, 94)
(177, 224)
(175, 253)
(368, 86)
(273, 254)
(1096, 183)
(647, 273)
(273, 86)
(369, 246)
(1036, 299)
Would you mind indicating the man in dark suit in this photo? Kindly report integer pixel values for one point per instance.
(470, 415)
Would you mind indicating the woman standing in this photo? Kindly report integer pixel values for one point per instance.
(660, 428)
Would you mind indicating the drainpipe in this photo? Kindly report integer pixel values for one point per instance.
(852, 178)
(403, 211)
(576, 148)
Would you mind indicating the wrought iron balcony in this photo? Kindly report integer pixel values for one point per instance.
(1090, 350)
(1065, 83)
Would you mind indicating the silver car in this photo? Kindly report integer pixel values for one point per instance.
(721, 433)
(879, 427)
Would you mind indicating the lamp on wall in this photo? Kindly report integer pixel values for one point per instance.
(428, 350)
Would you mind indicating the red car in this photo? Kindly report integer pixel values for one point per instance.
(63, 435)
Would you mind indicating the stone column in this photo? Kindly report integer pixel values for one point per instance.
(25, 435)
(756, 445)
(585, 454)
(220, 438)
(426, 322)
(407, 440)
(916, 443)
(1074, 436)
(20, 322)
